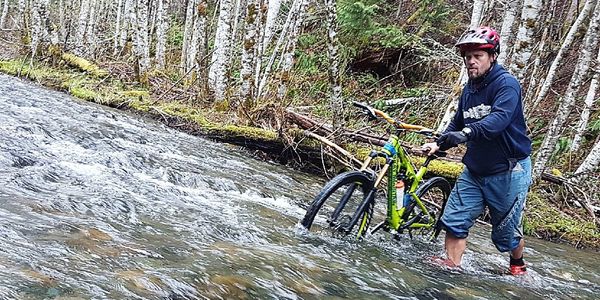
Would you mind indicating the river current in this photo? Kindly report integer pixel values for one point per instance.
(97, 203)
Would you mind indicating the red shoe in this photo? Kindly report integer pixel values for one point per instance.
(517, 270)
(444, 262)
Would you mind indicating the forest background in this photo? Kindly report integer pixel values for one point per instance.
(278, 75)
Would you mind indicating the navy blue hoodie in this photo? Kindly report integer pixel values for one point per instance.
(493, 111)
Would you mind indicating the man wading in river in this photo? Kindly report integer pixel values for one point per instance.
(490, 121)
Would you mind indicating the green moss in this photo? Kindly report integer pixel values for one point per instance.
(136, 94)
(84, 93)
(25, 68)
(140, 104)
(545, 220)
(84, 65)
(448, 169)
(252, 132)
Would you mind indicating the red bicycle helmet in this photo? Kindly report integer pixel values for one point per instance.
(482, 38)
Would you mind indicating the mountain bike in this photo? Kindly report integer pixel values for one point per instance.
(345, 205)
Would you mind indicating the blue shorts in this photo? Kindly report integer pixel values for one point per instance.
(504, 194)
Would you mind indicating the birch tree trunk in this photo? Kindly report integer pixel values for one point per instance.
(36, 24)
(532, 83)
(590, 99)
(62, 22)
(84, 11)
(161, 32)
(90, 31)
(249, 49)
(335, 99)
(291, 17)
(201, 38)
(4, 14)
(564, 48)
(524, 44)
(581, 70)
(23, 24)
(288, 53)
(198, 42)
(142, 43)
(126, 26)
(272, 13)
(21, 16)
(217, 74)
(268, 24)
(238, 17)
(507, 32)
(187, 36)
(590, 163)
(476, 16)
(118, 21)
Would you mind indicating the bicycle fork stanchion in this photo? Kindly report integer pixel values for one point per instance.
(359, 211)
(342, 204)
(368, 198)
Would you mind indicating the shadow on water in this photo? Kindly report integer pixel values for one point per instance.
(97, 203)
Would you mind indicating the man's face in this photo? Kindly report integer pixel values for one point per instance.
(477, 63)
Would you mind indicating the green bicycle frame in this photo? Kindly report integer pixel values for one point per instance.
(399, 164)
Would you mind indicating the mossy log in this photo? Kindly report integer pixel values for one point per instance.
(83, 64)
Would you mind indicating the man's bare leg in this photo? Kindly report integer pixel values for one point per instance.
(518, 252)
(455, 247)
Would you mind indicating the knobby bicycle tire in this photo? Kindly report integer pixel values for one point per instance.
(434, 194)
(345, 194)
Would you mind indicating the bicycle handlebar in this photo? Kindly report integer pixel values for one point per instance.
(375, 114)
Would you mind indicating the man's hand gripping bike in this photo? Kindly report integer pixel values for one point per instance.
(345, 205)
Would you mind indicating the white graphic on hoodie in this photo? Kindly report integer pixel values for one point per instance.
(477, 112)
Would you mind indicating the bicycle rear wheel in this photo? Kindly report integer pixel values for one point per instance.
(343, 207)
(434, 195)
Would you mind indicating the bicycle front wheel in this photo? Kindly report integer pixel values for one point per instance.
(344, 206)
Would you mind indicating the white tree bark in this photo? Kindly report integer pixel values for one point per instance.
(590, 163)
(272, 13)
(268, 22)
(507, 32)
(127, 24)
(564, 48)
(249, 49)
(21, 14)
(161, 32)
(84, 11)
(4, 14)
(142, 43)
(217, 74)
(476, 16)
(335, 98)
(188, 30)
(198, 51)
(532, 84)
(590, 99)
(62, 22)
(581, 70)
(36, 25)
(118, 21)
(291, 17)
(238, 17)
(90, 31)
(288, 53)
(524, 44)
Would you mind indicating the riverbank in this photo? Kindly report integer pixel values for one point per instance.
(287, 145)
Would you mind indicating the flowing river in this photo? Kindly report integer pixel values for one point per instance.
(97, 203)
